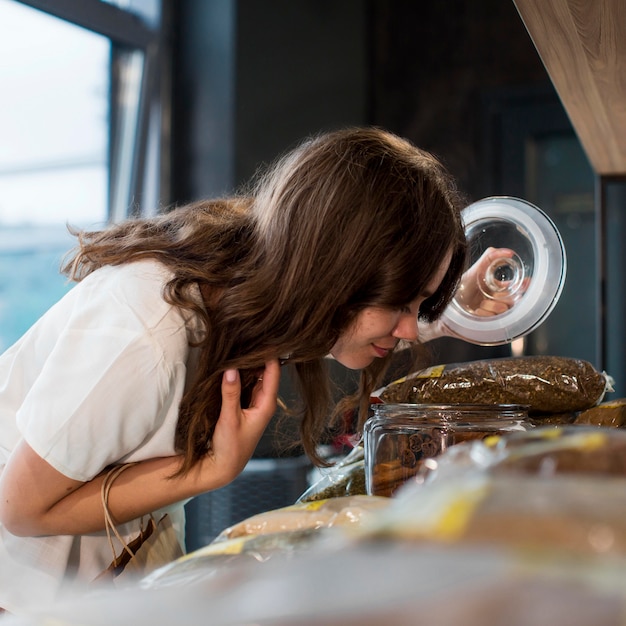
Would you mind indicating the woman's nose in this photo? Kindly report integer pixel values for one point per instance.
(406, 328)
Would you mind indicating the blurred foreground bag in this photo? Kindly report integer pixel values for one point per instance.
(155, 546)
(551, 490)
(545, 384)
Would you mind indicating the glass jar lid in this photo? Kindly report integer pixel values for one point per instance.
(516, 272)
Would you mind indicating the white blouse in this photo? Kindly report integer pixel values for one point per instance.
(97, 380)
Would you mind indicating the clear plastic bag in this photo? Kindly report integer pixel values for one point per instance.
(338, 511)
(279, 532)
(545, 384)
(548, 489)
(345, 478)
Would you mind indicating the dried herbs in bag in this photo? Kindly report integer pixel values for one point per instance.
(545, 384)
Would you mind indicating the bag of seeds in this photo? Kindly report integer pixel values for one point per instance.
(611, 413)
(545, 384)
(345, 478)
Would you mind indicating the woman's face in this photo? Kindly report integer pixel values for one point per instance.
(376, 331)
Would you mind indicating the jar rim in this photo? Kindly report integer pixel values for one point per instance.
(493, 408)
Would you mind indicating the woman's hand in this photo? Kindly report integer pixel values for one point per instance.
(474, 293)
(475, 297)
(36, 499)
(238, 430)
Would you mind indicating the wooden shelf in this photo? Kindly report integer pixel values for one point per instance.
(582, 44)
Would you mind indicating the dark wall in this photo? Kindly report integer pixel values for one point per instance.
(252, 78)
(301, 69)
(203, 87)
(434, 67)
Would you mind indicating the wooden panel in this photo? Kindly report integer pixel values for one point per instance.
(582, 44)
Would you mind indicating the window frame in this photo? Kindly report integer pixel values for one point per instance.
(146, 184)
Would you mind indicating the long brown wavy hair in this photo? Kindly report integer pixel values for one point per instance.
(349, 219)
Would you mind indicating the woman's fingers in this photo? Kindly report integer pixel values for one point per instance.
(231, 390)
(265, 393)
(491, 307)
(476, 295)
(238, 431)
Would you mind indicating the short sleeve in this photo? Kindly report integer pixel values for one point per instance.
(108, 386)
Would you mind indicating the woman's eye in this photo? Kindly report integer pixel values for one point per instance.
(425, 313)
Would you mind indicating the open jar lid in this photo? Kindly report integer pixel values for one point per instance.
(517, 271)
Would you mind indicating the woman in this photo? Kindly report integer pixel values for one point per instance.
(167, 352)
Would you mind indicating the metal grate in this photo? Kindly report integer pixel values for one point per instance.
(264, 485)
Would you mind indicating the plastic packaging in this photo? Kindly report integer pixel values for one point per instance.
(545, 384)
(345, 478)
(471, 547)
(372, 584)
(327, 513)
(549, 489)
(559, 450)
(288, 530)
(611, 413)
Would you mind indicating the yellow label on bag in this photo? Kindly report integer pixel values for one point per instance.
(456, 516)
(430, 372)
(434, 512)
(491, 441)
(229, 546)
(314, 505)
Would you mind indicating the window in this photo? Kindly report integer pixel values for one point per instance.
(80, 118)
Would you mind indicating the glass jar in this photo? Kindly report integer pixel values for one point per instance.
(400, 438)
